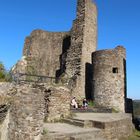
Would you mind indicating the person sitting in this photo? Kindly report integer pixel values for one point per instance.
(74, 103)
(85, 103)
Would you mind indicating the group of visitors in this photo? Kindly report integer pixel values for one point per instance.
(74, 103)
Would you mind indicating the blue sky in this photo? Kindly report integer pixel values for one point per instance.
(118, 24)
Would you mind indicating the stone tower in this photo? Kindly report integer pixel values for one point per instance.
(109, 78)
(83, 43)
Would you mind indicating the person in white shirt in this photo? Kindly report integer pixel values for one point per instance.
(74, 103)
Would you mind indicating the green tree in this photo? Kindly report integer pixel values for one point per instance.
(2, 72)
(4, 75)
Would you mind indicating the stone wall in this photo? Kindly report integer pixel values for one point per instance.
(26, 113)
(118, 126)
(43, 50)
(109, 77)
(4, 128)
(20, 66)
(120, 129)
(83, 43)
(31, 104)
(57, 103)
(6, 91)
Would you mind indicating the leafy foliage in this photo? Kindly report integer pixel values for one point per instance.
(4, 75)
(2, 71)
(91, 103)
(135, 136)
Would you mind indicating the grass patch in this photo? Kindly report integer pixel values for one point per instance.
(91, 103)
(45, 131)
(135, 136)
(114, 110)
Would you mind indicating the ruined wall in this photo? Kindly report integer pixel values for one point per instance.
(120, 129)
(109, 76)
(83, 43)
(26, 113)
(29, 105)
(5, 88)
(65, 54)
(57, 103)
(4, 128)
(43, 50)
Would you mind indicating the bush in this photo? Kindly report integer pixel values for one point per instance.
(135, 136)
(91, 103)
(4, 75)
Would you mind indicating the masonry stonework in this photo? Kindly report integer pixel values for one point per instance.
(30, 106)
(109, 78)
(26, 113)
(43, 50)
(65, 53)
(57, 103)
(72, 55)
(83, 43)
(71, 60)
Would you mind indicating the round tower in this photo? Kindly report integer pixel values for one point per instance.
(109, 78)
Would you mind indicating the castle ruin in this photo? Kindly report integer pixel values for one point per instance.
(98, 75)
(77, 69)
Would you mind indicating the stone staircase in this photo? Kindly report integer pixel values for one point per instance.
(73, 129)
(85, 123)
(72, 132)
(90, 126)
(75, 122)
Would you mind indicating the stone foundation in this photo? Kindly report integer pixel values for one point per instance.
(118, 129)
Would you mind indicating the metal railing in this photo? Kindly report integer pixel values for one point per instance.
(24, 77)
(28, 78)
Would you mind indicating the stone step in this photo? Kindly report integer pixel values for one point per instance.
(87, 137)
(62, 131)
(83, 136)
(75, 122)
(91, 110)
(85, 123)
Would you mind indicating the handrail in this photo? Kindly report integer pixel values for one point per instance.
(18, 77)
(26, 74)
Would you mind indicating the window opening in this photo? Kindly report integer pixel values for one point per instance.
(115, 70)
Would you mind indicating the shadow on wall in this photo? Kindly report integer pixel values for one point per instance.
(128, 102)
(63, 56)
(125, 79)
(88, 81)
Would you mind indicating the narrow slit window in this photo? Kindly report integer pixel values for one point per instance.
(115, 70)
